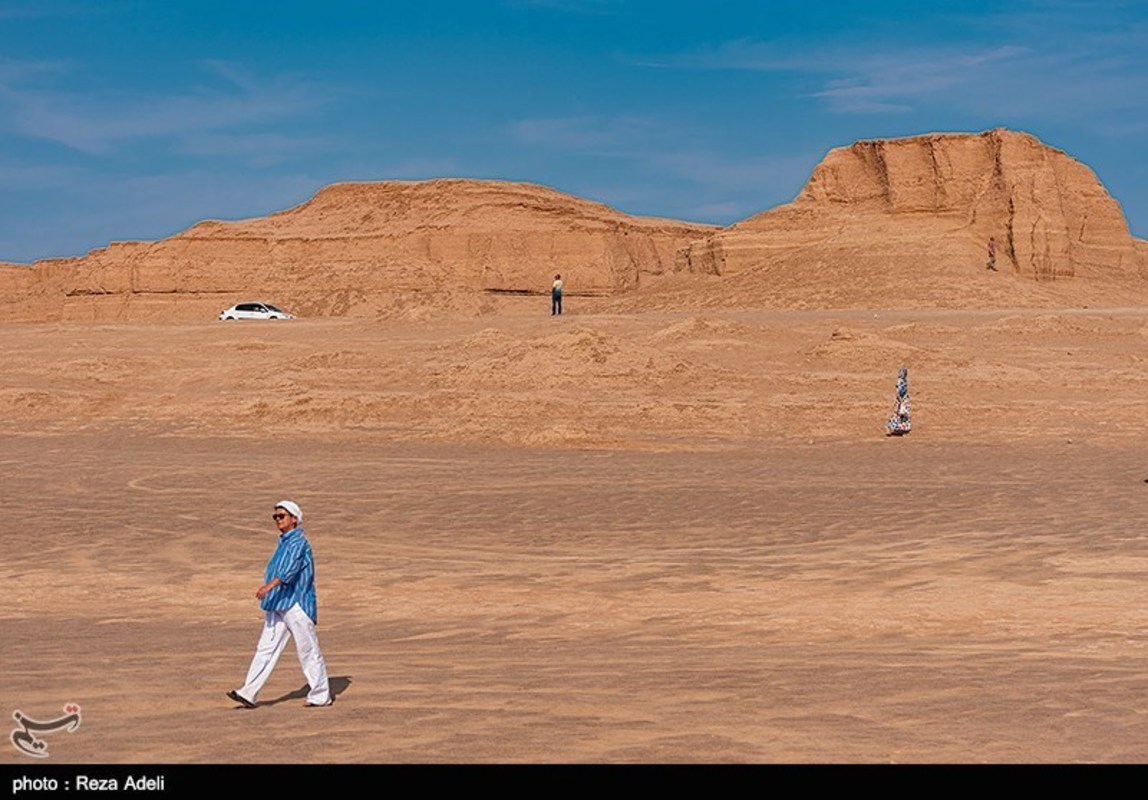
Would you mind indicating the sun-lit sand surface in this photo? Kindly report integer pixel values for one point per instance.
(611, 537)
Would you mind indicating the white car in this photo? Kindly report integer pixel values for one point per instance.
(254, 311)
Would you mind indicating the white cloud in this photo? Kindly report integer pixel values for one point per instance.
(728, 174)
(89, 212)
(570, 6)
(737, 54)
(100, 123)
(418, 169)
(36, 9)
(694, 180)
(1042, 59)
(34, 177)
(586, 133)
(258, 149)
(860, 79)
(14, 71)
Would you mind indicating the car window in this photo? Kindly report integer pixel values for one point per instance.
(275, 309)
(247, 307)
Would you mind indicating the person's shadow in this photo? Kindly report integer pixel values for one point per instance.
(338, 684)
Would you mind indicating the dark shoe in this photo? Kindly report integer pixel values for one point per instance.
(243, 701)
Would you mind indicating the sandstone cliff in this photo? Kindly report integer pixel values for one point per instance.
(884, 223)
(908, 220)
(357, 247)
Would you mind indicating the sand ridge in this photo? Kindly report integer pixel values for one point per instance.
(615, 380)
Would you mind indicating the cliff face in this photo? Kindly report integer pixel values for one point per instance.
(923, 209)
(879, 223)
(353, 244)
(1049, 212)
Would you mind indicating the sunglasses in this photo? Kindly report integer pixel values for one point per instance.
(279, 515)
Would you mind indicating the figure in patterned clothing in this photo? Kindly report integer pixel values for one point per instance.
(899, 423)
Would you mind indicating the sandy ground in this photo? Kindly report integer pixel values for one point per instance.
(655, 538)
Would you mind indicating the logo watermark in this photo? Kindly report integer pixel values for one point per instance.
(27, 742)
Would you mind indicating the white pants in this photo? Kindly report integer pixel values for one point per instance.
(278, 627)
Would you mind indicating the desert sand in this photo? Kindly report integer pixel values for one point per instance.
(665, 527)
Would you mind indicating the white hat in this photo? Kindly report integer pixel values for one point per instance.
(291, 508)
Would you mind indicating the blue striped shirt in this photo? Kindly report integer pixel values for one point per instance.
(293, 565)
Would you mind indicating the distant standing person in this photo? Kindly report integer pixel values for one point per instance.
(287, 598)
(556, 296)
(992, 247)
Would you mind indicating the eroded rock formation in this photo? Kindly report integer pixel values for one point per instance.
(886, 213)
(356, 245)
(879, 223)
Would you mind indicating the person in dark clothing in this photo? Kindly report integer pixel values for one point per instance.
(556, 296)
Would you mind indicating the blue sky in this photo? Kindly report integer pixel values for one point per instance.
(134, 119)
